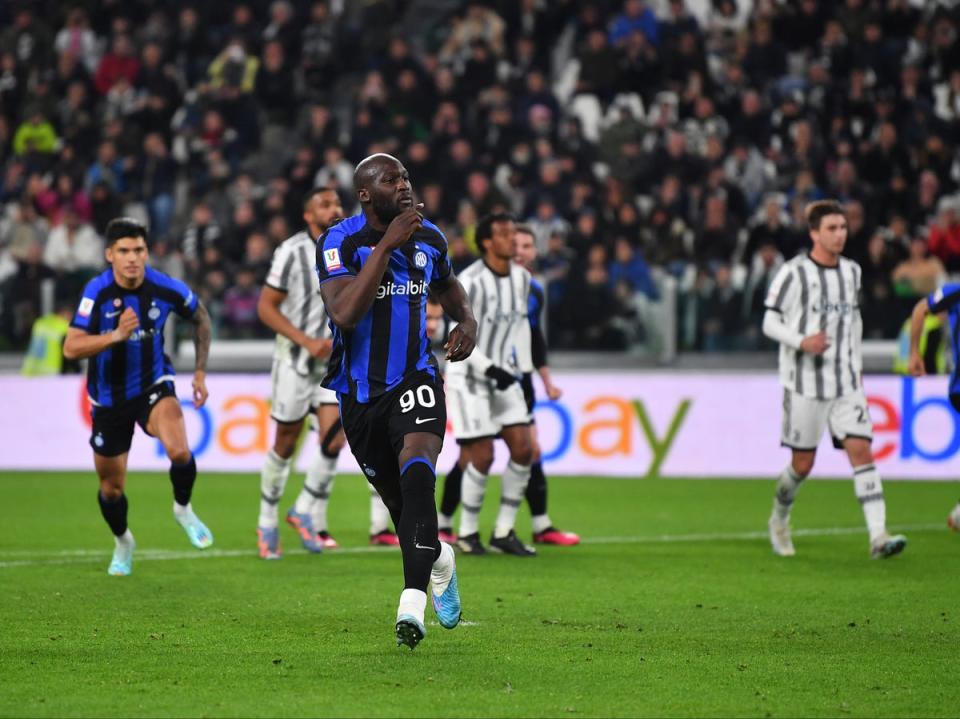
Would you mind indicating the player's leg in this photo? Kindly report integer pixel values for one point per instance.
(513, 484)
(309, 513)
(536, 494)
(869, 490)
(112, 473)
(478, 457)
(292, 400)
(474, 428)
(511, 414)
(852, 429)
(110, 440)
(804, 420)
(449, 500)
(426, 558)
(420, 405)
(380, 533)
(165, 422)
(273, 480)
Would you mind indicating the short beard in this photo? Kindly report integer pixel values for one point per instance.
(385, 212)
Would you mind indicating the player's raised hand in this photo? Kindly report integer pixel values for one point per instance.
(127, 323)
(816, 344)
(200, 393)
(319, 348)
(915, 365)
(401, 229)
(461, 341)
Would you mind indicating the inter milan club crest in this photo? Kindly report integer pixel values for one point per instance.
(153, 313)
(420, 259)
(117, 302)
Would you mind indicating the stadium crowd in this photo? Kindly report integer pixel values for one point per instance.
(648, 143)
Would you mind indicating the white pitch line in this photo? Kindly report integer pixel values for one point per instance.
(27, 558)
(744, 536)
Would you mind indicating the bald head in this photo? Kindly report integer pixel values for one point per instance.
(383, 188)
(369, 168)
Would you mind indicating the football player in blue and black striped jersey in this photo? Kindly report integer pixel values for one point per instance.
(946, 301)
(119, 327)
(375, 270)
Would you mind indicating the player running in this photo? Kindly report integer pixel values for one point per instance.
(290, 305)
(119, 324)
(375, 270)
(486, 400)
(814, 313)
(945, 300)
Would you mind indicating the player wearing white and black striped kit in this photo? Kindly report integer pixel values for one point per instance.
(813, 312)
(291, 306)
(484, 395)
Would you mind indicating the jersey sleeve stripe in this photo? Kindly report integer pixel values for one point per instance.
(285, 272)
(782, 294)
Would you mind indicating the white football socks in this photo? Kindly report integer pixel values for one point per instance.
(273, 479)
(412, 602)
(540, 523)
(869, 490)
(473, 488)
(315, 495)
(442, 571)
(512, 486)
(125, 540)
(788, 482)
(379, 514)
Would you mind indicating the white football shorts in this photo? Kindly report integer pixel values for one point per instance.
(294, 396)
(805, 418)
(476, 415)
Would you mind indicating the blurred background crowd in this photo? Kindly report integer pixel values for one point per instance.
(651, 144)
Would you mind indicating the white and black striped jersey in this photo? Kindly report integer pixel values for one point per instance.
(292, 272)
(501, 305)
(811, 297)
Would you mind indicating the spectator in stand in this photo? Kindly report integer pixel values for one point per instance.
(635, 16)
(28, 39)
(720, 309)
(771, 229)
(21, 295)
(240, 319)
(54, 201)
(74, 247)
(716, 239)
(25, 231)
(879, 306)
(920, 274)
(156, 176)
(944, 240)
(120, 62)
(321, 39)
(202, 233)
(762, 268)
(109, 168)
(78, 40)
(35, 136)
(630, 269)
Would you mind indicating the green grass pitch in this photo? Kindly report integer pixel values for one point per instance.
(672, 606)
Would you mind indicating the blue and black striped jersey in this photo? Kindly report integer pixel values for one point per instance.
(947, 299)
(537, 301)
(125, 371)
(390, 341)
